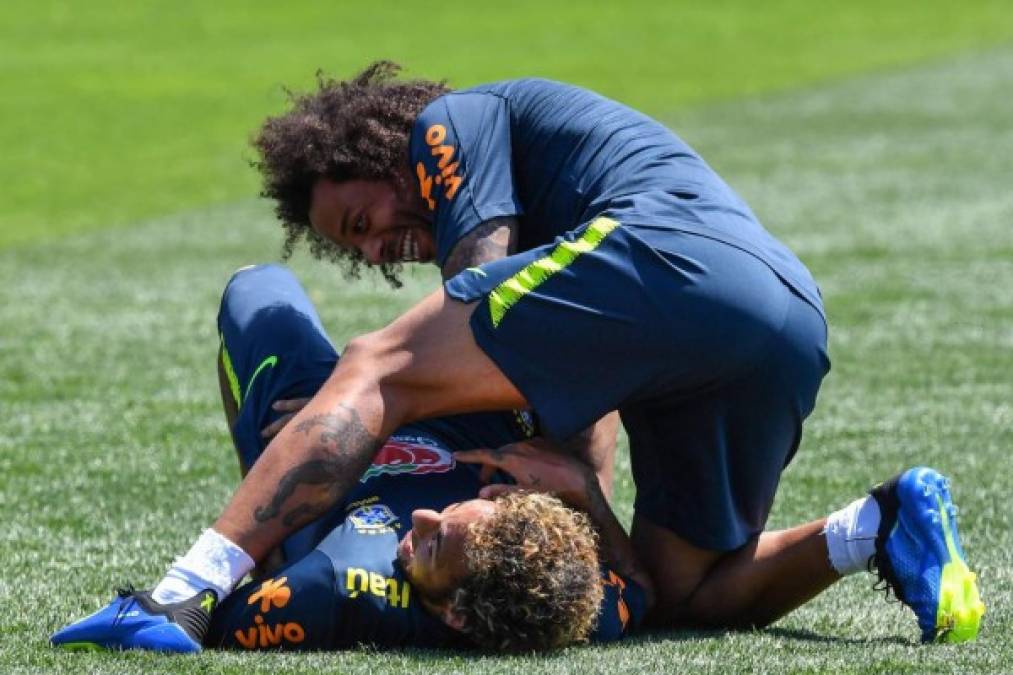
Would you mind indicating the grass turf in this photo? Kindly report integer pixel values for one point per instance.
(892, 187)
(116, 111)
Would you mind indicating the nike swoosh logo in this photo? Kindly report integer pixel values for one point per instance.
(269, 362)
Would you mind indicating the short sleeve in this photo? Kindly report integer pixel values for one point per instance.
(622, 608)
(461, 157)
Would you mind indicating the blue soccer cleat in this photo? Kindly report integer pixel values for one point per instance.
(134, 621)
(918, 555)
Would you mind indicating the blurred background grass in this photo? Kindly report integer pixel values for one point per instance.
(112, 111)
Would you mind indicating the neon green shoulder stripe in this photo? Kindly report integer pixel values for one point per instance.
(534, 274)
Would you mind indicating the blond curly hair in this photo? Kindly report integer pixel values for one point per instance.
(533, 579)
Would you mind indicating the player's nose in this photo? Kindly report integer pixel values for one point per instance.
(373, 250)
(425, 521)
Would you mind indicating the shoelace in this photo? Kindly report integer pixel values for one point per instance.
(882, 583)
(126, 591)
(126, 595)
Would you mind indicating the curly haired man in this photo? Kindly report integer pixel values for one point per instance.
(593, 263)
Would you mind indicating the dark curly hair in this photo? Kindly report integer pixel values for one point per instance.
(345, 130)
(533, 581)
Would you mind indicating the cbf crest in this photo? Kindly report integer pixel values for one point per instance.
(372, 519)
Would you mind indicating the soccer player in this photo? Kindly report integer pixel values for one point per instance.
(412, 557)
(593, 263)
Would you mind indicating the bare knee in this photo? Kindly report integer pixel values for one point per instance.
(677, 568)
(713, 606)
(689, 588)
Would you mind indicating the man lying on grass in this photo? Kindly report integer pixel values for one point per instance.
(412, 557)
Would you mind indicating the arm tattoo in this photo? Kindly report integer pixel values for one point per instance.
(491, 240)
(333, 427)
(342, 450)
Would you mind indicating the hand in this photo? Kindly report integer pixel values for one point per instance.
(290, 407)
(537, 469)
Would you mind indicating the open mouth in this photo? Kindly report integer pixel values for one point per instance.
(408, 249)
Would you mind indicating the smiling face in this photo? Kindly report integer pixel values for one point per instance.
(432, 552)
(384, 224)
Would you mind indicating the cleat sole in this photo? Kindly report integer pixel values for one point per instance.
(960, 609)
(958, 615)
(82, 647)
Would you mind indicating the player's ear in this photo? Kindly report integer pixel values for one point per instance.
(451, 616)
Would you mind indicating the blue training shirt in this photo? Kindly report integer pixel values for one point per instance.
(557, 156)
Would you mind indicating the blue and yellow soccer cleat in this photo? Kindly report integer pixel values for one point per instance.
(134, 621)
(918, 555)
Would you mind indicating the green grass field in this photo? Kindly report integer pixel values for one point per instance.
(116, 111)
(878, 150)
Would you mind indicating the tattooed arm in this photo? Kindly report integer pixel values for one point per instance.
(424, 364)
(306, 469)
(330, 474)
(491, 240)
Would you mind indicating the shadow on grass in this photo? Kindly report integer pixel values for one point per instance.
(648, 637)
(660, 636)
(809, 636)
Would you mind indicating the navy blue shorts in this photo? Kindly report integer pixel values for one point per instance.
(712, 360)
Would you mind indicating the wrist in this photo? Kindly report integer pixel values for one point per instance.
(590, 498)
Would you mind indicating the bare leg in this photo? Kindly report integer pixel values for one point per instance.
(677, 568)
(750, 587)
(424, 364)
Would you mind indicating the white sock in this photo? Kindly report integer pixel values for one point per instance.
(212, 562)
(851, 535)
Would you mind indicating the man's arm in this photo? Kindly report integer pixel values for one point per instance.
(536, 468)
(615, 545)
(492, 240)
(596, 447)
